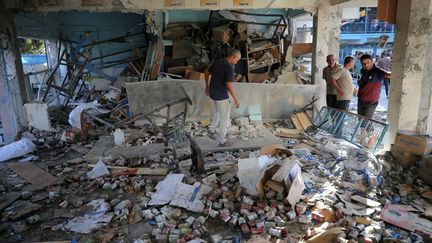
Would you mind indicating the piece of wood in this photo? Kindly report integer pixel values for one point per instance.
(33, 174)
(275, 149)
(304, 120)
(296, 122)
(158, 60)
(427, 195)
(134, 68)
(288, 133)
(275, 185)
(7, 198)
(301, 120)
(326, 236)
(137, 170)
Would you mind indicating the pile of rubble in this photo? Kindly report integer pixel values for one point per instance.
(312, 188)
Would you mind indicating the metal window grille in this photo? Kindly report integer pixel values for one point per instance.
(359, 130)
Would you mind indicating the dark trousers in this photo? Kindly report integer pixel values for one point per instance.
(386, 85)
(342, 104)
(331, 100)
(366, 109)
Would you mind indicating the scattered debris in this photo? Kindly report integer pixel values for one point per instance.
(97, 217)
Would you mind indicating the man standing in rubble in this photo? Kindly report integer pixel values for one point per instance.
(342, 82)
(222, 76)
(327, 76)
(369, 86)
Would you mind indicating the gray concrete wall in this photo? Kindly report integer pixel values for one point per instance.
(326, 41)
(14, 91)
(273, 101)
(410, 94)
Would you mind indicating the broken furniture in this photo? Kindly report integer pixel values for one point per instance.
(359, 130)
(201, 146)
(258, 53)
(301, 119)
(79, 60)
(173, 100)
(104, 148)
(169, 98)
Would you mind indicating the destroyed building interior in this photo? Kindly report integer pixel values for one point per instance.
(113, 129)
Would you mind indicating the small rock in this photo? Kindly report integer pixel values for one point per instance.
(242, 121)
(26, 195)
(124, 204)
(33, 219)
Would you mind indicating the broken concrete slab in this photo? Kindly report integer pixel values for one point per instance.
(37, 116)
(104, 147)
(265, 137)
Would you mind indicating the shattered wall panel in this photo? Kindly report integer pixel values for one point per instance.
(271, 101)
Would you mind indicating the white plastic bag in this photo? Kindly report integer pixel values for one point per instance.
(16, 149)
(99, 170)
(75, 115)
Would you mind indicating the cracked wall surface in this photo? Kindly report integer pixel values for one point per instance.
(410, 96)
(326, 41)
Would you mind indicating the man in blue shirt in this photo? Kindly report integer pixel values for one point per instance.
(222, 74)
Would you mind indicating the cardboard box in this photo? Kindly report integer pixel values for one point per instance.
(194, 75)
(412, 143)
(179, 70)
(386, 10)
(222, 33)
(301, 120)
(395, 215)
(404, 158)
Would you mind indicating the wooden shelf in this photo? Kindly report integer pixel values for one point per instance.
(255, 68)
(263, 49)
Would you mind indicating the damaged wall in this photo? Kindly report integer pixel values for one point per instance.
(271, 101)
(326, 41)
(138, 6)
(14, 92)
(410, 96)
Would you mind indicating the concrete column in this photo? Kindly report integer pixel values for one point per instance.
(326, 41)
(410, 89)
(13, 88)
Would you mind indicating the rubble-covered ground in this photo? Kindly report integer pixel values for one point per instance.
(315, 188)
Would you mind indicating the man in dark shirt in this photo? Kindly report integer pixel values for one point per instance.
(222, 74)
(369, 86)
